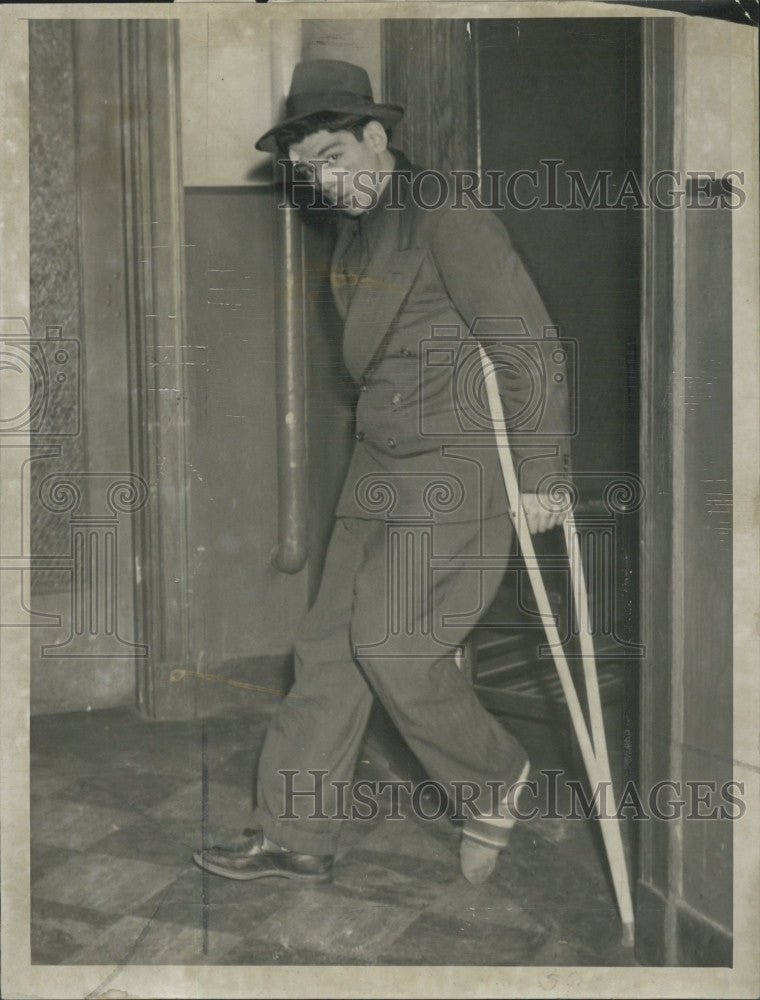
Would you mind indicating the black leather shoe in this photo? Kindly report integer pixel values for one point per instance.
(247, 859)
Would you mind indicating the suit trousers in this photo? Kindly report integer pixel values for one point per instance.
(396, 600)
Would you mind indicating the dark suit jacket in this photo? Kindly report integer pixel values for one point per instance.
(437, 282)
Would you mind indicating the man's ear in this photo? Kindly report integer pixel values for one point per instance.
(375, 136)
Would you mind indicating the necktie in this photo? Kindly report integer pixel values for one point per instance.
(354, 259)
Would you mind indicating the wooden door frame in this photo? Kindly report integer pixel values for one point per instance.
(656, 860)
(671, 929)
(154, 224)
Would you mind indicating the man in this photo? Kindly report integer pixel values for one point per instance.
(423, 529)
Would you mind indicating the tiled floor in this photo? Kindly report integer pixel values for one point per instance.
(118, 807)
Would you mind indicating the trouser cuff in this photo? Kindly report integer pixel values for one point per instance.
(292, 835)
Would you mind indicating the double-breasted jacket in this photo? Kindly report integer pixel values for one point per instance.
(437, 279)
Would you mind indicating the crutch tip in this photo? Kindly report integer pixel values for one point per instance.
(628, 936)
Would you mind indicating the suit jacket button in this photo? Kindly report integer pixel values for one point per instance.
(405, 352)
(396, 398)
(364, 385)
(359, 435)
(391, 443)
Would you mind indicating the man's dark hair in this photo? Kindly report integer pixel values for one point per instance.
(322, 121)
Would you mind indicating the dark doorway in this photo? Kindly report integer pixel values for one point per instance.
(559, 145)
(559, 154)
(559, 123)
(562, 98)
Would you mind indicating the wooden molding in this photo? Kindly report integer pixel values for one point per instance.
(685, 464)
(656, 440)
(155, 284)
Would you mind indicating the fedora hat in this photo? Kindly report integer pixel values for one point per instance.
(329, 85)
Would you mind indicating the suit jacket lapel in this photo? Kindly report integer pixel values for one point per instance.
(379, 294)
(344, 237)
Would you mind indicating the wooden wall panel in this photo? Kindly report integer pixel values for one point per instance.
(708, 513)
(430, 69)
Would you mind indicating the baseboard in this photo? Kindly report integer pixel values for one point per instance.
(651, 913)
(699, 942)
(241, 685)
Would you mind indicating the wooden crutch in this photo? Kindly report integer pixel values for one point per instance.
(593, 745)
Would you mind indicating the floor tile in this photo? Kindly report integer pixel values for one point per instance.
(374, 872)
(374, 877)
(147, 839)
(54, 909)
(562, 952)
(440, 940)
(58, 929)
(123, 787)
(118, 810)
(138, 941)
(354, 833)
(51, 774)
(488, 904)
(250, 951)
(55, 939)
(119, 738)
(416, 841)
(238, 769)
(335, 925)
(103, 883)
(228, 808)
(44, 857)
(93, 736)
(74, 825)
(562, 891)
(197, 898)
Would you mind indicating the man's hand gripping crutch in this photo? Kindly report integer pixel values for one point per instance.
(526, 515)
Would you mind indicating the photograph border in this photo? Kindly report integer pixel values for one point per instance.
(22, 979)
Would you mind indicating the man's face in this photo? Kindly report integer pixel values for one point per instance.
(336, 161)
